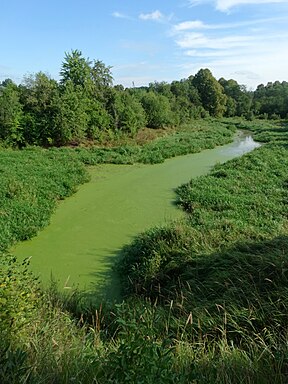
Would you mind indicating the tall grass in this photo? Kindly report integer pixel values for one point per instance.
(189, 139)
(221, 274)
(206, 297)
(32, 181)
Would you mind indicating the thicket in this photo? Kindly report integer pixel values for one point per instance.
(85, 107)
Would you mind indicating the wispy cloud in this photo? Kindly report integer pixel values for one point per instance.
(209, 53)
(155, 16)
(226, 5)
(200, 25)
(234, 48)
(248, 74)
(120, 15)
(187, 25)
(195, 36)
(201, 41)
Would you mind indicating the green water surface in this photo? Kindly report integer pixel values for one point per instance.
(89, 228)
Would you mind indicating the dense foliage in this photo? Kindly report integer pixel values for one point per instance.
(84, 105)
(31, 183)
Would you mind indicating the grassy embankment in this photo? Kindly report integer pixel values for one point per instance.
(206, 298)
(221, 276)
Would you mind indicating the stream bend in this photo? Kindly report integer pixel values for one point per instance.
(89, 228)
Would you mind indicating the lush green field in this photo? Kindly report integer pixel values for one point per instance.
(206, 298)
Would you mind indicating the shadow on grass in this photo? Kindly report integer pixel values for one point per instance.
(246, 276)
(105, 285)
(103, 292)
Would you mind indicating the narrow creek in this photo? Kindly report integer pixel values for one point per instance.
(89, 228)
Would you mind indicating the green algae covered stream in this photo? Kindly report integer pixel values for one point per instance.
(88, 229)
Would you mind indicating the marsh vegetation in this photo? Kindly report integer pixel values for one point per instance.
(203, 298)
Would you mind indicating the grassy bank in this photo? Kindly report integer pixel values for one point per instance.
(221, 275)
(194, 138)
(206, 298)
(32, 181)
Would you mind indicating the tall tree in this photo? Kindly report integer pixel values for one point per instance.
(162, 88)
(211, 92)
(101, 74)
(158, 110)
(131, 115)
(75, 68)
(71, 120)
(98, 118)
(238, 98)
(10, 113)
(40, 98)
(271, 100)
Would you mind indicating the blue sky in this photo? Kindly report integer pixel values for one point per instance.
(145, 40)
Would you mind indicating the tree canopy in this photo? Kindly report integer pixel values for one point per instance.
(84, 103)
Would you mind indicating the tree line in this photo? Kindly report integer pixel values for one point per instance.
(84, 103)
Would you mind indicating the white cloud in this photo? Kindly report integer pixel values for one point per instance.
(198, 24)
(226, 5)
(199, 40)
(247, 74)
(213, 53)
(250, 51)
(258, 62)
(186, 25)
(120, 15)
(155, 16)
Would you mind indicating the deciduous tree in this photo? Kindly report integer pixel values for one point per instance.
(10, 113)
(211, 92)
